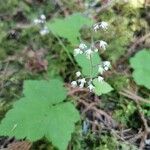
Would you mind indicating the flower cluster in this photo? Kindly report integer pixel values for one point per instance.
(88, 82)
(41, 22)
(84, 49)
(88, 51)
(101, 25)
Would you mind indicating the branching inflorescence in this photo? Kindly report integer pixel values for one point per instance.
(89, 51)
(41, 21)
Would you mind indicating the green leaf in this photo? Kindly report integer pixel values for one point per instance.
(36, 116)
(101, 87)
(43, 90)
(141, 65)
(69, 27)
(137, 3)
(85, 64)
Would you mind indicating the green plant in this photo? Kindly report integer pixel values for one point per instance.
(89, 59)
(124, 113)
(42, 113)
(140, 63)
(71, 27)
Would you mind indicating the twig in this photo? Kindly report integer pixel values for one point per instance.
(133, 96)
(61, 5)
(145, 124)
(105, 7)
(110, 121)
(4, 75)
(131, 50)
(77, 90)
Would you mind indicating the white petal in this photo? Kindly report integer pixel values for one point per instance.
(44, 31)
(95, 50)
(88, 53)
(43, 17)
(78, 74)
(96, 27)
(100, 69)
(81, 85)
(82, 80)
(103, 25)
(36, 21)
(77, 51)
(74, 83)
(102, 44)
(106, 64)
(90, 87)
(82, 46)
(100, 79)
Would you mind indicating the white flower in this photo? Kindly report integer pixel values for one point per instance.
(44, 31)
(82, 80)
(74, 83)
(90, 81)
(100, 69)
(106, 65)
(81, 85)
(95, 50)
(82, 46)
(78, 74)
(90, 87)
(103, 25)
(147, 141)
(100, 79)
(102, 44)
(95, 27)
(106, 68)
(77, 51)
(43, 17)
(37, 21)
(88, 53)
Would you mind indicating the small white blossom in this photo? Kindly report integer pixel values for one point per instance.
(90, 87)
(82, 80)
(95, 50)
(82, 46)
(36, 21)
(106, 65)
(100, 79)
(100, 69)
(106, 68)
(96, 27)
(81, 85)
(88, 53)
(77, 51)
(103, 25)
(44, 31)
(43, 17)
(102, 44)
(147, 141)
(78, 74)
(74, 84)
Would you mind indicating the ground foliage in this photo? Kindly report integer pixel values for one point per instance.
(26, 55)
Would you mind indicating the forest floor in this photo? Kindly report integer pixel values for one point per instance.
(118, 120)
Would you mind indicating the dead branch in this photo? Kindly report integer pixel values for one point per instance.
(138, 99)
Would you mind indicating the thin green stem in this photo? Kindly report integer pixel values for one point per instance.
(91, 67)
(64, 47)
(91, 63)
